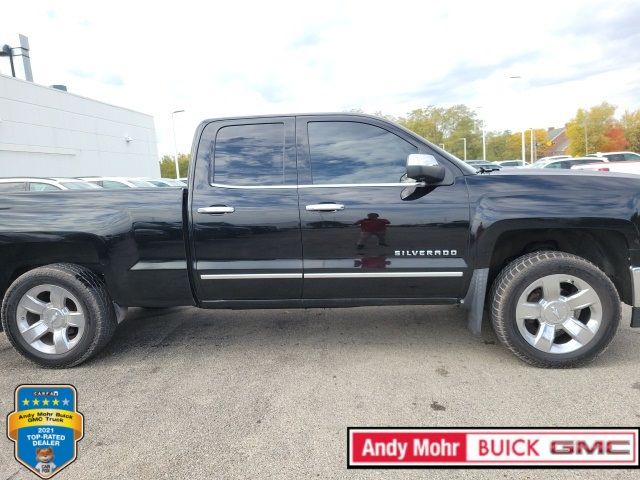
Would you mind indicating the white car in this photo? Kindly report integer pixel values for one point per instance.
(511, 163)
(165, 182)
(554, 157)
(620, 167)
(33, 184)
(567, 163)
(118, 182)
(617, 156)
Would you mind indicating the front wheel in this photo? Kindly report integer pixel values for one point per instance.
(59, 315)
(554, 309)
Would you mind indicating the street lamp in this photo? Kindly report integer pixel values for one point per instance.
(464, 142)
(175, 143)
(524, 150)
(6, 51)
(484, 140)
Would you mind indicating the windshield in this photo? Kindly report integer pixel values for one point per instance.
(79, 185)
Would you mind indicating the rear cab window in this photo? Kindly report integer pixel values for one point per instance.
(249, 155)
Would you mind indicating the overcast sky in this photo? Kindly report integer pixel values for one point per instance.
(233, 58)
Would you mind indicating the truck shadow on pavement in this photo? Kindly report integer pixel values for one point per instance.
(435, 330)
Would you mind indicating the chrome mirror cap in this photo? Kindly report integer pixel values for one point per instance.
(424, 167)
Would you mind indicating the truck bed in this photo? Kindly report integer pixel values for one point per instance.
(135, 238)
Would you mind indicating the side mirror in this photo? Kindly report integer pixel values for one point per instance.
(425, 168)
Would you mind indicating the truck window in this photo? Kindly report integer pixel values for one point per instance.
(353, 152)
(249, 155)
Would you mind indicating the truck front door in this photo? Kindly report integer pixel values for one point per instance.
(244, 213)
(365, 235)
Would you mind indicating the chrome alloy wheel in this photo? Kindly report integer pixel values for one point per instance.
(50, 319)
(559, 313)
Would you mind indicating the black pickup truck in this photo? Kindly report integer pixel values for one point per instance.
(330, 210)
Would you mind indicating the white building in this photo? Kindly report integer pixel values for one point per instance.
(49, 132)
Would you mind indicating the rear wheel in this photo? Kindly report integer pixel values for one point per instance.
(554, 309)
(59, 315)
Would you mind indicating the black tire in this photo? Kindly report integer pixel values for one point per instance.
(88, 288)
(522, 272)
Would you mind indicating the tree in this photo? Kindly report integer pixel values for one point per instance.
(503, 145)
(168, 166)
(631, 126)
(614, 139)
(597, 122)
(448, 127)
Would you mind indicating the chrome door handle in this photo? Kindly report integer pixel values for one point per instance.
(216, 210)
(324, 207)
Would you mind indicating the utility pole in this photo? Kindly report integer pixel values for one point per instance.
(524, 149)
(175, 143)
(464, 142)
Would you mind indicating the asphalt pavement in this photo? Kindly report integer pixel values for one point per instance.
(186, 393)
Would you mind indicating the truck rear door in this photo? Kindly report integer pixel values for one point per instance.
(244, 213)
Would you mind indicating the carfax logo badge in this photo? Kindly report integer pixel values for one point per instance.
(45, 427)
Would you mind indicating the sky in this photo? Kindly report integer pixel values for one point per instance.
(215, 59)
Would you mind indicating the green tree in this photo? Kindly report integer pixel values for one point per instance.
(168, 166)
(448, 127)
(503, 146)
(631, 127)
(597, 122)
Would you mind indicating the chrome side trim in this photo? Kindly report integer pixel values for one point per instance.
(161, 265)
(635, 285)
(327, 185)
(248, 276)
(382, 274)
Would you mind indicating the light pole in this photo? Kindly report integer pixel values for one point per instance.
(484, 139)
(175, 143)
(464, 142)
(524, 142)
(533, 132)
(586, 138)
(484, 142)
(442, 146)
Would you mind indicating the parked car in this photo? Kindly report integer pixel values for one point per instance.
(552, 252)
(165, 182)
(75, 184)
(618, 156)
(566, 163)
(554, 157)
(118, 182)
(620, 167)
(511, 163)
(484, 164)
(27, 184)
